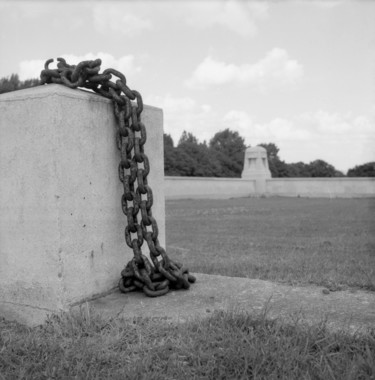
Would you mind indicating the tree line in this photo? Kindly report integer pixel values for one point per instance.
(13, 83)
(223, 155)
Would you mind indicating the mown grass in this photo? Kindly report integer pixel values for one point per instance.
(327, 242)
(227, 345)
(301, 241)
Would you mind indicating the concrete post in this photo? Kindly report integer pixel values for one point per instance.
(256, 167)
(61, 223)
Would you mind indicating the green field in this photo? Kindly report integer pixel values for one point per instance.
(299, 241)
(226, 345)
(328, 242)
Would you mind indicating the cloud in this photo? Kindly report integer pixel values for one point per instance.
(118, 18)
(125, 64)
(276, 68)
(237, 16)
(343, 140)
(24, 10)
(184, 113)
(275, 130)
(326, 4)
(134, 17)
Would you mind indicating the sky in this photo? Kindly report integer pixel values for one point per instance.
(300, 74)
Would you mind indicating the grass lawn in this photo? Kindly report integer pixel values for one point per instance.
(227, 345)
(297, 241)
(329, 242)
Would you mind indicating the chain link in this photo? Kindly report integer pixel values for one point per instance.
(163, 274)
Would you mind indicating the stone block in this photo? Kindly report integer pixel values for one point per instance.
(61, 223)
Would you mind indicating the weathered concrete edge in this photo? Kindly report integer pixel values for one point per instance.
(43, 91)
(35, 316)
(38, 92)
(352, 311)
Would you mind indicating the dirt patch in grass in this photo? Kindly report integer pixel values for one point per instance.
(327, 242)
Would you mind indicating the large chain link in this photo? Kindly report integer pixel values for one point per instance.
(134, 167)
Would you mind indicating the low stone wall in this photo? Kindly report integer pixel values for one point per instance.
(207, 187)
(198, 187)
(61, 223)
(343, 187)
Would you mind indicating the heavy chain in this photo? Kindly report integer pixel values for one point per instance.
(137, 200)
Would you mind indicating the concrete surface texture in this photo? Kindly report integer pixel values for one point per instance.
(352, 311)
(61, 223)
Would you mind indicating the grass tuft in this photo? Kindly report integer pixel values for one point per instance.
(227, 345)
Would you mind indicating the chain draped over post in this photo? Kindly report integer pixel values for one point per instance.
(134, 167)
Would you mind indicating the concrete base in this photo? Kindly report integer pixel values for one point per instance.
(61, 223)
(349, 310)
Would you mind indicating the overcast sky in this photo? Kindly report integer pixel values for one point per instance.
(298, 74)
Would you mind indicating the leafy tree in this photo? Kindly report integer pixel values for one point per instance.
(169, 156)
(187, 137)
(338, 173)
(364, 170)
(320, 168)
(228, 147)
(277, 167)
(272, 151)
(280, 168)
(189, 158)
(168, 141)
(184, 164)
(13, 83)
(299, 169)
(229, 142)
(195, 159)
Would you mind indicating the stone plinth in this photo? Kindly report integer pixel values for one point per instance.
(348, 310)
(61, 223)
(256, 167)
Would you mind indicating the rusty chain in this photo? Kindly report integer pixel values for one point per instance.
(134, 167)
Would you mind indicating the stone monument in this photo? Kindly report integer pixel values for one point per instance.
(256, 167)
